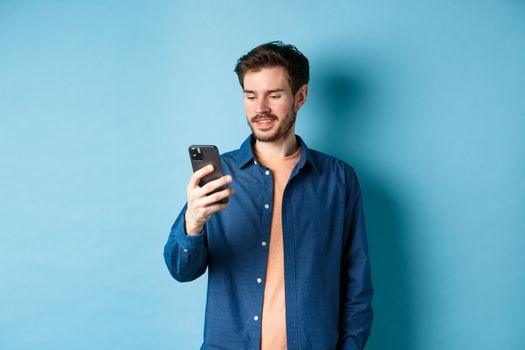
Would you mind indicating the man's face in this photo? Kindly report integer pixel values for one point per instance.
(269, 103)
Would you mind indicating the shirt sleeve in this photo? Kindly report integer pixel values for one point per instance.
(185, 255)
(356, 291)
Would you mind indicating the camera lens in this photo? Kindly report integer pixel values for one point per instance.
(196, 154)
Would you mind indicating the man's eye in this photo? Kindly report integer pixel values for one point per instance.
(275, 97)
(250, 97)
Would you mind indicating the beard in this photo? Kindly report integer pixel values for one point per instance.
(283, 128)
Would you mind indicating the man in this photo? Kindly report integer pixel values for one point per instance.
(287, 257)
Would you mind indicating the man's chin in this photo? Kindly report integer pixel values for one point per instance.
(271, 134)
(262, 137)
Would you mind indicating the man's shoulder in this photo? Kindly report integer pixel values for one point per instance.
(336, 170)
(230, 156)
(239, 155)
(327, 162)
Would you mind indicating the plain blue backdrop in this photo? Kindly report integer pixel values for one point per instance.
(100, 99)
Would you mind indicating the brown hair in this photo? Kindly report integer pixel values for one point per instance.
(274, 54)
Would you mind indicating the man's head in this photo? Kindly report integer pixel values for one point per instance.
(274, 78)
(275, 54)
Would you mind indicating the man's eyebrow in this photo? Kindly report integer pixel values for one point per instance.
(246, 91)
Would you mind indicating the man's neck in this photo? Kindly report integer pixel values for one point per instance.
(283, 147)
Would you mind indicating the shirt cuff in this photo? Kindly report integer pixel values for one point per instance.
(189, 241)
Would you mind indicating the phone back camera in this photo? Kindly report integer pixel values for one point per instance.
(196, 154)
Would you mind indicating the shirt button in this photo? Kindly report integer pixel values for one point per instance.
(256, 318)
(259, 280)
(267, 172)
(255, 162)
(185, 250)
(267, 206)
(263, 243)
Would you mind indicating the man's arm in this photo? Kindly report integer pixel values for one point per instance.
(185, 252)
(356, 291)
(185, 255)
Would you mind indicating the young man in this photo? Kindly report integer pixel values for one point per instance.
(287, 257)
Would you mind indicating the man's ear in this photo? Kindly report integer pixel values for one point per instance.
(300, 97)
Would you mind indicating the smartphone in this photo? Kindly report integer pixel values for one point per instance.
(202, 155)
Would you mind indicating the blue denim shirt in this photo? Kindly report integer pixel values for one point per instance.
(328, 290)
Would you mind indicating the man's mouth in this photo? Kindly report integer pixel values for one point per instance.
(264, 122)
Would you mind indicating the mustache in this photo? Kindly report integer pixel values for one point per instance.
(263, 116)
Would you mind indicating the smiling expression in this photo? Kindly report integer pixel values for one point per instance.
(270, 105)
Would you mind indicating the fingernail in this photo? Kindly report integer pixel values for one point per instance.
(229, 178)
(210, 167)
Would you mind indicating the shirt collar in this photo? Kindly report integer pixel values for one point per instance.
(246, 155)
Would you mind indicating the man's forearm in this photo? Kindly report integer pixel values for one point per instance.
(185, 255)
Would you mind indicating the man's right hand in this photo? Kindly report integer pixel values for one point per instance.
(201, 205)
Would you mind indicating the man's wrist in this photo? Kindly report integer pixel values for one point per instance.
(192, 230)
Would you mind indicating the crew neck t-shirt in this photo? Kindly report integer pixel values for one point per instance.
(273, 323)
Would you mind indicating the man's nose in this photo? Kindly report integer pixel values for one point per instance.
(262, 106)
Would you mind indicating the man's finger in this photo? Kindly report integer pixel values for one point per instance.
(199, 174)
(203, 202)
(215, 184)
(213, 208)
(215, 197)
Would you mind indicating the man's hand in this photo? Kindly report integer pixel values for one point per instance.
(201, 205)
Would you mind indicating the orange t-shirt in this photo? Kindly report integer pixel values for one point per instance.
(273, 324)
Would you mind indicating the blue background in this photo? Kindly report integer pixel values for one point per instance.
(100, 99)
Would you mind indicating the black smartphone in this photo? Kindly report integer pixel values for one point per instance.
(202, 155)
